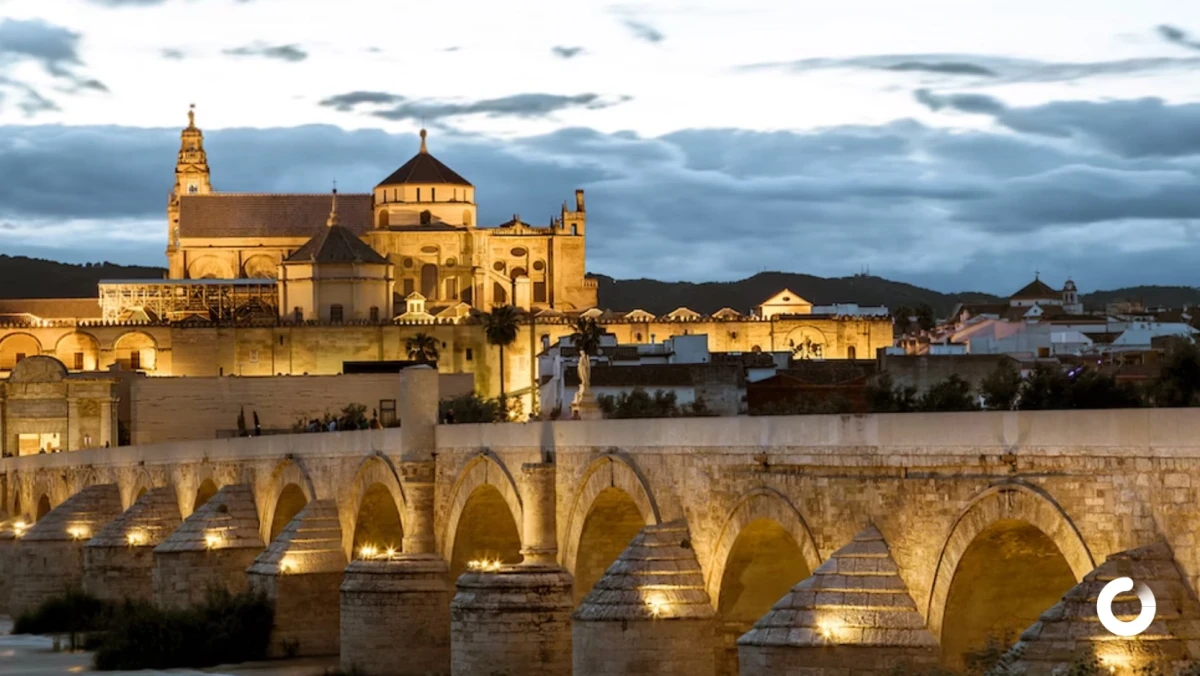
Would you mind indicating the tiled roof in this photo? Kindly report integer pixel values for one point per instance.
(230, 517)
(336, 244)
(54, 308)
(249, 215)
(80, 516)
(424, 168)
(149, 520)
(310, 543)
(1036, 290)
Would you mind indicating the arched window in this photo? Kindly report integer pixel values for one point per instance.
(335, 313)
(298, 314)
(426, 216)
(466, 217)
(374, 313)
(499, 294)
(429, 281)
(851, 353)
(383, 219)
(433, 194)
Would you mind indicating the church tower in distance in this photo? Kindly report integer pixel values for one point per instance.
(191, 178)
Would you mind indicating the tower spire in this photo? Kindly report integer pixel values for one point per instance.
(333, 214)
(424, 150)
(192, 116)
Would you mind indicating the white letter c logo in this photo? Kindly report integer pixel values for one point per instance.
(1104, 607)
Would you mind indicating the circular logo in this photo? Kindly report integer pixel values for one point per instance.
(1104, 607)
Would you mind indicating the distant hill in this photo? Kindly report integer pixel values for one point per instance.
(662, 297)
(22, 277)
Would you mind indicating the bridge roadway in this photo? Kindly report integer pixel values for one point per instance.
(986, 518)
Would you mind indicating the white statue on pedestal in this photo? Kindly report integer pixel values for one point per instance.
(585, 379)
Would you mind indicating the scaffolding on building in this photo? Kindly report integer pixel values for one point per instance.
(174, 300)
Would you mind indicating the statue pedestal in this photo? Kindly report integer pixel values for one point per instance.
(587, 408)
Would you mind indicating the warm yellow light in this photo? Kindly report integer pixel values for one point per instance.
(287, 565)
(368, 551)
(657, 604)
(137, 538)
(391, 552)
(484, 565)
(830, 628)
(19, 528)
(1116, 662)
(213, 540)
(78, 532)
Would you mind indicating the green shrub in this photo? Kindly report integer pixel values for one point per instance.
(225, 629)
(74, 612)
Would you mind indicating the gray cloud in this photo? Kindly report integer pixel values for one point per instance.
(1147, 127)
(951, 208)
(290, 53)
(566, 52)
(1178, 36)
(137, 3)
(55, 49)
(397, 107)
(173, 54)
(983, 69)
(644, 31)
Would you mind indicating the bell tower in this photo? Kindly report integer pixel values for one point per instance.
(191, 178)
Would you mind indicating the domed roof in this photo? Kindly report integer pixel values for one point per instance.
(424, 169)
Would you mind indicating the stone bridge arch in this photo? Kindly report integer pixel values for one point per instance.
(483, 485)
(613, 502)
(197, 483)
(47, 490)
(132, 491)
(288, 489)
(376, 477)
(1011, 504)
(762, 550)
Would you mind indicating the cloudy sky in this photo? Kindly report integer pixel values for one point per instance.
(957, 144)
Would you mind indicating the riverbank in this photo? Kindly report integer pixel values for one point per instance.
(35, 656)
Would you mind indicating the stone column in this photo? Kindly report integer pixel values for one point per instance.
(541, 539)
(108, 424)
(73, 442)
(395, 610)
(517, 619)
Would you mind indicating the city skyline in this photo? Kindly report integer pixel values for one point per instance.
(931, 145)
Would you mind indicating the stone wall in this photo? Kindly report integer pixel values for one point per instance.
(179, 409)
(925, 371)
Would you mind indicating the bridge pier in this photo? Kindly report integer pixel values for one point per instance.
(10, 534)
(1070, 630)
(119, 562)
(48, 559)
(301, 572)
(649, 615)
(517, 619)
(212, 548)
(853, 615)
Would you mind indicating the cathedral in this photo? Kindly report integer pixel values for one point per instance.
(359, 256)
(315, 284)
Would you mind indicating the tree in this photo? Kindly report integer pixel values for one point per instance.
(1001, 387)
(1090, 389)
(952, 394)
(500, 329)
(882, 396)
(422, 348)
(902, 318)
(925, 319)
(1046, 388)
(1178, 383)
(471, 408)
(587, 335)
(639, 404)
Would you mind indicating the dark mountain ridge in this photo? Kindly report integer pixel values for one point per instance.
(22, 277)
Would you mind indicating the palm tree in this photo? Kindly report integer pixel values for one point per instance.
(423, 348)
(500, 329)
(587, 336)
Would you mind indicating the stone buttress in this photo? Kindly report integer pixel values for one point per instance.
(1070, 631)
(649, 614)
(854, 615)
(118, 563)
(211, 549)
(48, 558)
(515, 620)
(301, 572)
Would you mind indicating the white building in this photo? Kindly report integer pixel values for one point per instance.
(681, 365)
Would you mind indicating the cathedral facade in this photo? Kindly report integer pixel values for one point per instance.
(422, 220)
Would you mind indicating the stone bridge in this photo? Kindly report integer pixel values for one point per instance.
(626, 547)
